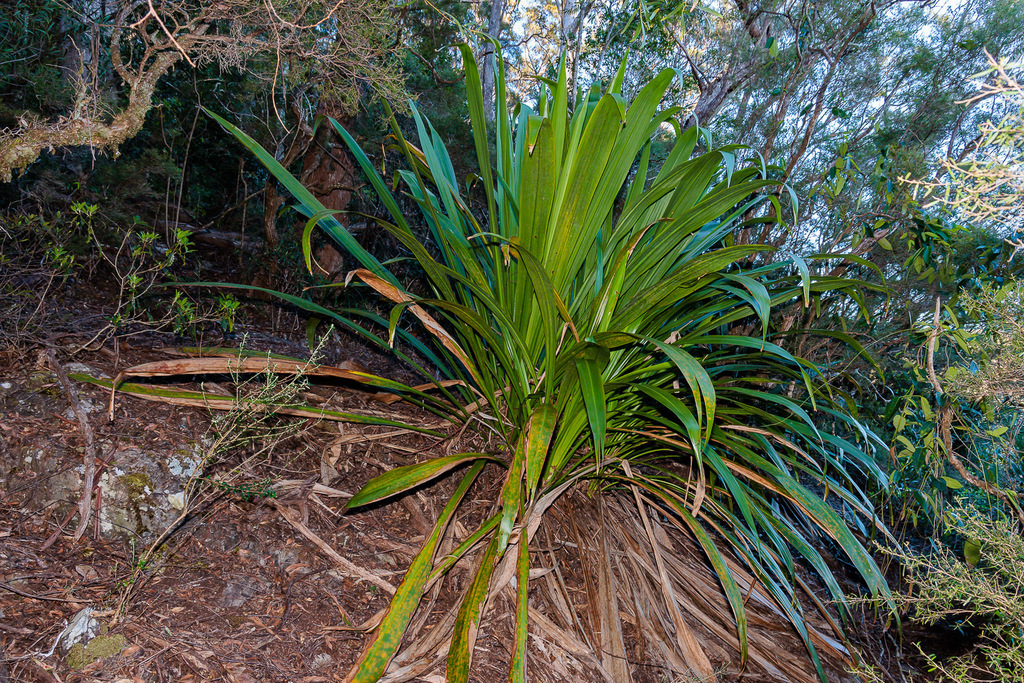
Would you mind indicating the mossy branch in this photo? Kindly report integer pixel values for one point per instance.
(21, 147)
(338, 49)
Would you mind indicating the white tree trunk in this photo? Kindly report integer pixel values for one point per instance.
(494, 22)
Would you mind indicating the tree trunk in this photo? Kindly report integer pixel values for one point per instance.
(79, 26)
(272, 202)
(494, 21)
(328, 172)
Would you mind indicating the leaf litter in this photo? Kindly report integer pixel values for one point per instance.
(285, 586)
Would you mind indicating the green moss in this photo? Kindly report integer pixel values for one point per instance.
(136, 483)
(105, 646)
(80, 656)
(76, 656)
(44, 383)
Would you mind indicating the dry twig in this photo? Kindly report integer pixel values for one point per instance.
(292, 517)
(85, 503)
(945, 422)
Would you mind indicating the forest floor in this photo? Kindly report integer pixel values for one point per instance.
(262, 574)
(238, 591)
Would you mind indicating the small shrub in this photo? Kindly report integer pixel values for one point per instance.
(982, 590)
(39, 256)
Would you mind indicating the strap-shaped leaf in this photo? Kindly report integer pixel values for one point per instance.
(542, 427)
(592, 387)
(384, 642)
(512, 494)
(475, 99)
(517, 670)
(450, 559)
(467, 622)
(202, 399)
(330, 225)
(342, 317)
(410, 476)
(698, 380)
(398, 295)
(371, 174)
(831, 523)
(682, 412)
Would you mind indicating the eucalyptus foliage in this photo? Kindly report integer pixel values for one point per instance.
(602, 319)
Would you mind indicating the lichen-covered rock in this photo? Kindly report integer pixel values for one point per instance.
(143, 488)
(38, 395)
(143, 491)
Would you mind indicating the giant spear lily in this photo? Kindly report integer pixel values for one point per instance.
(604, 313)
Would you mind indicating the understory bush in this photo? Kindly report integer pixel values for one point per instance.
(957, 422)
(40, 257)
(47, 260)
(981, 588)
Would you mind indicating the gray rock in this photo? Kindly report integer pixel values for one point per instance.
(142, 490)
(138, 492)
(239, 589)
(82, 628)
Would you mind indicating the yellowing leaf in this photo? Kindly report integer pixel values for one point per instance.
(972, 552)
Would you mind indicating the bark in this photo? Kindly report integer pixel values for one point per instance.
(713, 94)
(329, 173)
(741, 115)
(272, 202)
(78, 43)
(287, 154)
(487, 53)
(145, 39)
(21, 147)
(570, 19)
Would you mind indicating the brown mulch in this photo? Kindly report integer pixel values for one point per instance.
(237, 593)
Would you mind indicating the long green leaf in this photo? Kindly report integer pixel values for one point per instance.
(385, 640)
(512, 494)
(517, 671)
(541, 429)
(330, 225)
(410, 476)
(202, 399)
(467, 621)
(592, 387)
